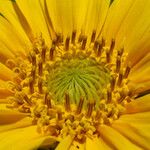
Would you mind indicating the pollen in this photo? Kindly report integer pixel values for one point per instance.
(72, 86)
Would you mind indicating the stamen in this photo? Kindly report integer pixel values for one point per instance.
(123, 96)
(120, 52)
(40, 87)
(10, 63)
(59, 115)
(47, 100)
(107, 56)
(113, 81)
(84, 42)
(16, 70)
(80, 38)
(80, 105)
(33, 58)
(67, 102)
(40, 68)
(96, 45)
(59, 38)
(93, 36)
(73, 37)
(67, 43)
(51, 53)
(118, 64)
(23, 75)
(26, 99)
(43, 54)
(120, 78)
(33, 72)
(100, 48)
(112, 46)
(35, 49)
(90, 109)
(109, 95)
(98, 115)
(127, 71)
(103, 42)
(31, 85)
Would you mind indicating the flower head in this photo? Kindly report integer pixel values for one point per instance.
(74, 74)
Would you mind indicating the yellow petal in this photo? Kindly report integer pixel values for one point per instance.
(96, 144)
(65, 144)
(5, 53)
(22, 139)
(115, 140)
(77, 146)
(95, 16)
(141, 104)
(127, 23)
(8, 41)
(140, 118)
(21, 123)
(6, 73)
(5, 93)
(135, 127)
(117, 12)
(33, 13)
(9, 116)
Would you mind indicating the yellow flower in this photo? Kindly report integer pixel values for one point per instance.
(74, 74)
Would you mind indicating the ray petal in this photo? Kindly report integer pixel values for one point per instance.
(115, 139)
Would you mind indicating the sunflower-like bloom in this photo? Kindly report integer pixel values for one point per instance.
(74, 74)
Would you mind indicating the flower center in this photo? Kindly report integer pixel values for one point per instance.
(79, 77)
(72, 87)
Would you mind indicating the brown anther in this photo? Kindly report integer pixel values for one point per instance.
(43, 53)
(59, 38)
(35, 49)
(118, 64)
(103, 42)
(100, 48)
(128, 99)
(73, 37)
(47, 100)
(67, 102)
(123, 96)
(93, 36)
(33, 72)
(120, 78)
(51, 53)
(90, 109)
(112, 46)
(25, 97)
(31, 85)
(22, 74)
(40, 67)
(80, 39)
(40, 86)
(120, 52)
(113, 82)
(10, 63)
(98, 115)
(67, 43)
(33, 58)
(84, 41)
(96, 45)
(18, 87)
(16, 70)
(108, 57)
(80, 105)
(109, 95)
(59, 115)
(127, 71)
